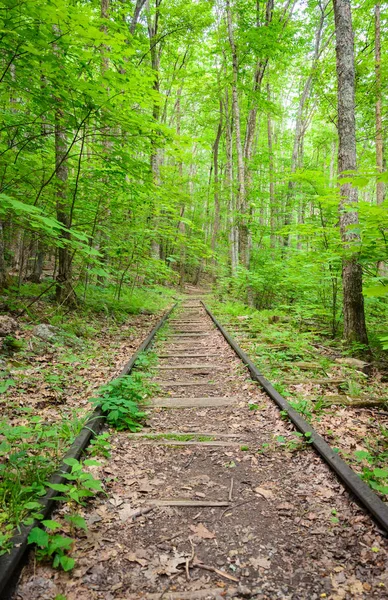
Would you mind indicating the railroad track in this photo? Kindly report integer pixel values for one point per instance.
(217, 497)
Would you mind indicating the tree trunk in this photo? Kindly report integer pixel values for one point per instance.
(258, 78)
(354, 315)
(3, 267)
(37, 269)
(64, 290)
(380, 187)
(272, 209)
(241, 204)
(136, 15)
(379, 125)
(153, 26)
(216, 220)
(106, 147)
(233, 230)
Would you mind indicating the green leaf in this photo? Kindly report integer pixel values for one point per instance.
(67, 563)
(58, 487)
(380, 473)
(39, 537)
(52, 525)
(77, 521)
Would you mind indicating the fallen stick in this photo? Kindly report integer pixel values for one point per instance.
(214, 570)
(142, 511)
(231, 490)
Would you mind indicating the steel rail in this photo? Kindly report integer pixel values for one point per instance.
(352, 481)
(12, 563)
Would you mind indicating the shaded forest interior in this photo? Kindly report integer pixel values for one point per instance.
(240, 144)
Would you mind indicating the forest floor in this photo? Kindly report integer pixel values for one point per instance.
(48, 385)
(284, 527)
(345, 399)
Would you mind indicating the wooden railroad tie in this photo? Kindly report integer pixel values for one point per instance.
(194, 402)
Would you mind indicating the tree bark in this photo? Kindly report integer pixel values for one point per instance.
(241, 204)
(272, 209)
(136, 14)
(3, 267)
(379, 125)
(64, 291)
(216, 220)
(233, 230)
(353, 301)
(153, 26)
(257, 81)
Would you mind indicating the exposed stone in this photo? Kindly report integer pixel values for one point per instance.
(8, 325)
(47, 333)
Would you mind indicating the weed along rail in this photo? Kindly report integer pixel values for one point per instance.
(217, 496)
(11, 562)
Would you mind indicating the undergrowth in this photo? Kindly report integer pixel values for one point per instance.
(292, 348)
(122, 399)
(29, 455)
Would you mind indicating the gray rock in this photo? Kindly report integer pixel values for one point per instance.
(352, 362)
(47, 333)
(8, 326)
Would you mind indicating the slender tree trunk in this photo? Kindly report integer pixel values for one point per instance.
(379, 125)
(181, 224)
(136, 14)
(257, 81)
(216, 220)
(153, 26)
(233, 230)
(64, 289)
(380, 187)
(241, 205)
(272, 209)
(3, 267)
(106, 146)
(354, 315)
(37, 269)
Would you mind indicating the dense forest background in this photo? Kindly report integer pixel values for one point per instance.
(165, 141)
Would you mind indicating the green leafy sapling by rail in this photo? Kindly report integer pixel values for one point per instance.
(120, 400)
(50, 543)
(375, 476)
(81, 483)
(100, 445)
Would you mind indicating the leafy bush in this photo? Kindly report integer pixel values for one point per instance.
(120, 400)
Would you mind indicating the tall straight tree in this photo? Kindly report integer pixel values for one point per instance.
(354, 314)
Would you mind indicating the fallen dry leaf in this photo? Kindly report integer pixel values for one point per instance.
(145, 486)
(131, 557)
(263, 492)
(201, 532)
(168, 565)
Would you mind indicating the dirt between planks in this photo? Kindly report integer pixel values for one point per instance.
(284, 527)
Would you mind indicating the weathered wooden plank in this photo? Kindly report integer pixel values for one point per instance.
(194, 402)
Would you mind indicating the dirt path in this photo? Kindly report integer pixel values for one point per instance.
(210, 505)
